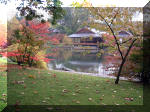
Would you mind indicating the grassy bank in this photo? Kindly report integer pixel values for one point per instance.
(3, 83)
(42, 87)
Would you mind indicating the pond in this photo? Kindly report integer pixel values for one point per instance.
(82, 62)
(86, 62)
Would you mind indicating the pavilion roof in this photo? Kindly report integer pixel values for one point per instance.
(84, 32)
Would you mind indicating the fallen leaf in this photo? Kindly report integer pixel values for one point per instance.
(33, 82)
(73, 100)
(73, 94)
(90, 99)
(22, 93)
(3, 99)
(117, 104)
(51, 97)
(35, 92)
(114, 91)
(54, 75)
(101, 98)
(25, 86)
(78, 102)
(32, 76)
(3, 94)
(77, 85)
(107, 80)
(113, 96)
(62, 94)
(129, 99)
(64, 90)
(97, 91)
(20, 82)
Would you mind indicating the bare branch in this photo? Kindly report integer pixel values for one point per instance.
(129, 48)
(114, 17)
(125, 41)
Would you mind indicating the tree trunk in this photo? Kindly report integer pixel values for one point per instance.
(19, 63)
(30, 64)
(119, 72)
(123, 61)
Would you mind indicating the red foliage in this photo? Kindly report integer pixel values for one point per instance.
(3, 34)
(42, 32)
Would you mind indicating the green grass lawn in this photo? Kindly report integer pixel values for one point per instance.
(3, 90)
(41, 87)
(3, 84)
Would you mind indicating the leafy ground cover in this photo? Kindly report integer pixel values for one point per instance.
(42, 87)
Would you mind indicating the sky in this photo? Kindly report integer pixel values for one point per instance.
(9, 11)
(117, 3)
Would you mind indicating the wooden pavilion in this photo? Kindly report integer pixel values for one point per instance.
(86, 37)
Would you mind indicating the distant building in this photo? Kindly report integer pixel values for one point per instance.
(123, 33)
(86, 37)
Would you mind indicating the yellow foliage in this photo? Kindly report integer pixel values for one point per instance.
(41, 63)
(13, 47)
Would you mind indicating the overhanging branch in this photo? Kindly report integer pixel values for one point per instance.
(118, 46)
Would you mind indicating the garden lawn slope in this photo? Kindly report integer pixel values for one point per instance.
(3, 83)
(3, 90)
(42, 87)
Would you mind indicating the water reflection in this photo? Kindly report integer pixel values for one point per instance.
(78, 61)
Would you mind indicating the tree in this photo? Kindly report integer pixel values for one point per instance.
(146, 45)
(30, 9)
(32, 36)
(114, 20)
(29, 41)
(50, 7)
(73, 19)
(3, 35)
(12, 25)
(136, 58)
(27, 46)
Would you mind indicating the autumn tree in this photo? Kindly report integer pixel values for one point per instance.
(114, 20)
(12, 25)
(27, 45)
(31, 36)
(3, 35)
